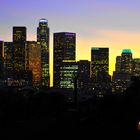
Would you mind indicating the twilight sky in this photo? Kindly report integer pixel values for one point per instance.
(97, 23)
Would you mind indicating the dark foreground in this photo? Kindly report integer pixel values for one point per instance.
(43, 115)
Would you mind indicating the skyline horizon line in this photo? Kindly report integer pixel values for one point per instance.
(77, 59)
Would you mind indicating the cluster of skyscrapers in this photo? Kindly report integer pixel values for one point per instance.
(126, 67)
(25, 63)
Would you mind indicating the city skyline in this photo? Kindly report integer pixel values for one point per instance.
(96, 23)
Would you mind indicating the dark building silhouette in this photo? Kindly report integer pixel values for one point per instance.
(19, 41)
(19, 76)
(64, 49)
(83, 74)
(43, 40)
(1, 59)
(8, 60)
(120, 81)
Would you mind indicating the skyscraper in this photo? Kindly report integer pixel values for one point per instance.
(83, 74)
(118, 64)
(8, 59)
(64, 49)
(99, 62)
(33, 61)
(43, 40)
(121, 79)
(1, 58)
(1, 49)
(100, 79)
(136, 67)
(19, 41)
(126, 61)
(68, 73)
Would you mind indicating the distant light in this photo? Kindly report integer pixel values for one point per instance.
(69, 61)
(126, 51)
(70, 34)
(138, 125)
(43, 20)
(95, 49)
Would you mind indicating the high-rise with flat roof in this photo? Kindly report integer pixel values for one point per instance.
(83, 74)
(64, 49)
(118, 64)
(1, 58)
(19, 41)
(136, 67)
(99, 61)
(8, 59)
(68, 73)
(33, 61)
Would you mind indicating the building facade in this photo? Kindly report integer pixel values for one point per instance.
(19, 41)
(68, 73)
(1, 59)
(118, 64)
(136, 67)
(83, 74)
(126, 61)
(33, 61)
(43, 41)
(64, 49)
(99, 62)
(8, 60)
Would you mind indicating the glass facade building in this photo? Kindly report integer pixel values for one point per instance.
(1, 58)
(19, 41)
(33, 61)
(8, 59)
(43, 41)
(83, 74)
(68, 73)
(136, 67)
(118, 64)
(64, 49)
(99, 62)
(126, 61)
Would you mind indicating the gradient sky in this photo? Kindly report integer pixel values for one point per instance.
(97, 23)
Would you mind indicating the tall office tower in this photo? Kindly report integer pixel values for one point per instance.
(121, 79)
(8, 59)
(118, 64)
(99, 63)
(33, 61)
(43, 40)
(126, 61)
(1, 58)
(68, 73)
(64, 49)
(19, 40)
(83, 74)
(136, 67)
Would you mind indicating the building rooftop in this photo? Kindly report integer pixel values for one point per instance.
(126, 51)
(43, 20)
